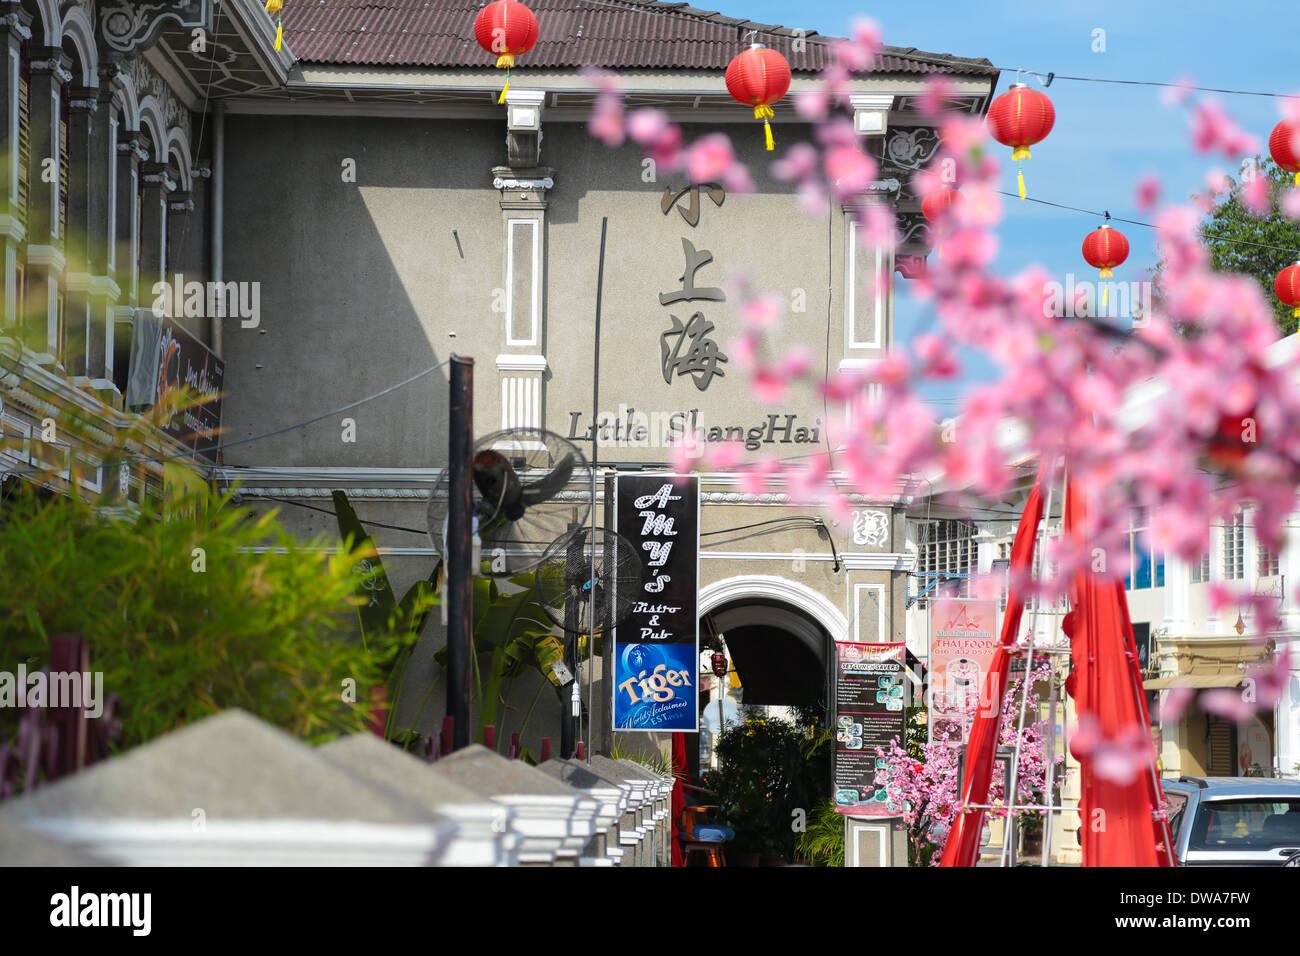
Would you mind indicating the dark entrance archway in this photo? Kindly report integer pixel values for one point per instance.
(780, 653)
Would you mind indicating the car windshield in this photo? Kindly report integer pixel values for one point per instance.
(1246, 824)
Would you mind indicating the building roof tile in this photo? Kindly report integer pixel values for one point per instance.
(613, 34)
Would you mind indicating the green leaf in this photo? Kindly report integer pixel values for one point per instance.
(380, 607)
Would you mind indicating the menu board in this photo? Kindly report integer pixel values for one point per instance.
(963, 640)
(868, 714)
(657, 648)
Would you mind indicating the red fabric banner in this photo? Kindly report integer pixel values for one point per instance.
(962, 848)
(1120, 824)
(679, 796)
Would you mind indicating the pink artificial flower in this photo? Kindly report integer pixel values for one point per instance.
(647, 125)
(813, 104)
(936, 356)
(1214, 130)
(1148, 192)
(1255, 196)
(763, 313)
(938, 90)
(709, 157)
(849, 170)
(799, 163)
(1176, 701)
(606, 123)
(1290, 203)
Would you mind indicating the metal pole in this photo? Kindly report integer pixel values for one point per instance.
(1010, 831)
(1050, 821)
(460, 576)
(573, 575)
(595, 457)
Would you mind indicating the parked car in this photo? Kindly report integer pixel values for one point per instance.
(1234, 821)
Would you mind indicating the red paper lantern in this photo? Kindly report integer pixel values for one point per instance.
(1019, 118)
(1232, 441)
(1105, 248)
(508, 29)
(1287, 287)
(759, 77)
(1282, 144)
(937, 204)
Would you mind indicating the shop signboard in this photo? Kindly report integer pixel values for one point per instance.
(868, 715)
(656, 649)
(963, 639)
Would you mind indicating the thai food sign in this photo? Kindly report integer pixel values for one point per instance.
(869, 713)
(963, 639)
(656, 649)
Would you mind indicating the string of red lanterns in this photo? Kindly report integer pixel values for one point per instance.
(507, 29)
(760, 77)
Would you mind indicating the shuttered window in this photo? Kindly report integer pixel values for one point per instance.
(24, 131)
(1222, 747)
(65, 162)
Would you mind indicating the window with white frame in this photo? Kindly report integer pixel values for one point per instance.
(1267, 564)
(1234, 547)
(1146, 566)
(946, 555)
(1201, 569)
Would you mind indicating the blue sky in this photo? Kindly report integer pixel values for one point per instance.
(1107, 135)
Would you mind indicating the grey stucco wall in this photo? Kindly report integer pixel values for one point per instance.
(366, 283)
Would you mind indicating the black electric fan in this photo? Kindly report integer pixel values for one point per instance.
(586, 567)
(518, 509)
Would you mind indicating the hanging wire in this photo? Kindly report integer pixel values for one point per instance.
(1148, 225)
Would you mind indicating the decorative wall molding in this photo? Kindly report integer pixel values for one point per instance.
(767, 587)
(14, 24)
(527, 185)
(128, 25)
(147, 82)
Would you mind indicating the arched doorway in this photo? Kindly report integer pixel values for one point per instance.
(780, 635)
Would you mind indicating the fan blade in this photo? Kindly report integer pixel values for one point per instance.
(544, 489)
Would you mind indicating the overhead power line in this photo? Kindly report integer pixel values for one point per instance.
(1137, 222)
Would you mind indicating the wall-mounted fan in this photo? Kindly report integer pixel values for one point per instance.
(588, 566)
(518, 512)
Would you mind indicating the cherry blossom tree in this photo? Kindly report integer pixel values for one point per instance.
(926, 790)
(1219, 429)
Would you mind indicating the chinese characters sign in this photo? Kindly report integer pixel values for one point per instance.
(656, 650)
(963, 638)
(687, 349)
(868, 714)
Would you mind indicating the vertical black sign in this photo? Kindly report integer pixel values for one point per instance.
(869, 714)
(185, 362)
(656, 649)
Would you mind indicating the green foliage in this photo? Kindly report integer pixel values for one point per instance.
(653, 760)
(1231, 220)
(769, 769)
(390, 628)
(183, 618)
(823, 843)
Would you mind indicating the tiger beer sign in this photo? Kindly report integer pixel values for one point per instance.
(656, 650)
